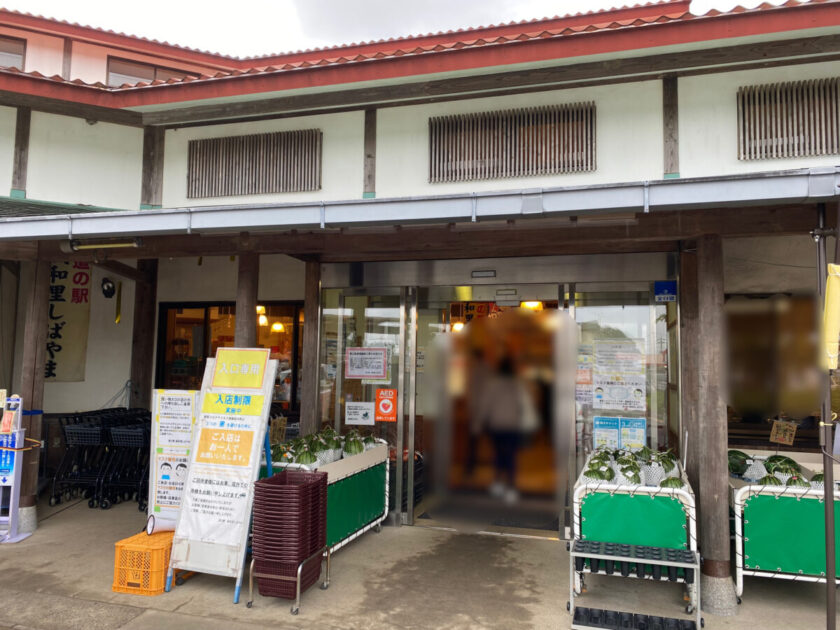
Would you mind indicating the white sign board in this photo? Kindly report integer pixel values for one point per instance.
(235, 402)
(366, 363)
(359, 413)
(173, 420)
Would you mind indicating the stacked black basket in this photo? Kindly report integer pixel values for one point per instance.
(290, 525)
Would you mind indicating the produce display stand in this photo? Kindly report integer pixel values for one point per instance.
(357, 494)
(616, 524)
(761, 513)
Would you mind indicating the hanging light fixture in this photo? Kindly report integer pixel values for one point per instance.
(260, 310)
(263, 320)
(277, 327)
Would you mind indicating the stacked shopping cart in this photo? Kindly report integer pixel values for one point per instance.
(106, 458)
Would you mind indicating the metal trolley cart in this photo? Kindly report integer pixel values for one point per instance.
(618, 526)
(761, 512)
(357, 501)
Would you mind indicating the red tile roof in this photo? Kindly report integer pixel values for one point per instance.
(630, 28)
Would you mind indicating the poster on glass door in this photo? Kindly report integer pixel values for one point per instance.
(619, 381)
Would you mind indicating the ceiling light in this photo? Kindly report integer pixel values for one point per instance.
(457, 326)
(263, 320)
(277, 327)
(76, 245)
(260, 310)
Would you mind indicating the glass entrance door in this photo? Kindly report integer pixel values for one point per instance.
(365, 376)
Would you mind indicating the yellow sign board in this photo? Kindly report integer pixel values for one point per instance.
(224, 446)
(233, 404)
(240, 368)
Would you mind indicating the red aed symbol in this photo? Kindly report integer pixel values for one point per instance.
(386, 405)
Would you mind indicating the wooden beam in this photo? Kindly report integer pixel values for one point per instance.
(18, 250)
(713, 483)
(143, 335)
(671, 122)
(36, 296)
(20, 159)
(151, 187)
(246, 300)
(139, 275)
(69, 108)
(311, 378)
(67, 59)
(742, 57)
(370, 153)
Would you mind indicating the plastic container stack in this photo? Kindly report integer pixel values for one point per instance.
(290, 525)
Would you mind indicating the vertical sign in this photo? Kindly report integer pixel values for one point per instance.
(619, 382)
(174, 418)
(68, 319)
(212, 530)
(386, 405)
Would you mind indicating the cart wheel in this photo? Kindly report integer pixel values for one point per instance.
(141, 507)
(88, 493)
(105, 504)
(117, 499)
(377, 528)
(568, 606)
(54, 501)
(66, 495)
(568, 547)
(92, 503)
(295, 611)
(324, 586)
(702, 622)
(127, 495)
(738, 599)
(249, 604)
(74, 493)
(689, 609)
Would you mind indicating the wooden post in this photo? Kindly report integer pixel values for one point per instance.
(32, 374)
(67, 59)
(151, 186)
(246, 300)
(671, 122)
(20, 159)
(310, 387)
(370, 153)
(143, 335)
(689, 342)
(711, 409)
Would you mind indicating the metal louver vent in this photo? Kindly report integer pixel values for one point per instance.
(784, 120)
(284, 161)
(512, 143)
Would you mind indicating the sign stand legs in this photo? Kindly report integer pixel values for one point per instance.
(238, 589)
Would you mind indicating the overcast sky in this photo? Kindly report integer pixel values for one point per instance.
(259, 27)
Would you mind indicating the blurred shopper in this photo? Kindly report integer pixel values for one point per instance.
(505, 410)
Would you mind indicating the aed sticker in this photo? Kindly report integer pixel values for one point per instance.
(386, 405)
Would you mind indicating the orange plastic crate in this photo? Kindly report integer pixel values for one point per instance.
(141, 562)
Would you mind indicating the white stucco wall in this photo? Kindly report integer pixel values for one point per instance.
(43, 54)
(184, 280)
(8, 120)
(628, 137)
(342, 159)
(90, 62)
(709, 121)
(72, 161)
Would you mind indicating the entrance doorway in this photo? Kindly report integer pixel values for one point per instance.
(426, 362)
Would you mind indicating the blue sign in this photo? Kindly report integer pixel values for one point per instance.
(665, 291)
(605, 432)
(7, 458)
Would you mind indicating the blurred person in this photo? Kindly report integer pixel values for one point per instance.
(505, 410)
